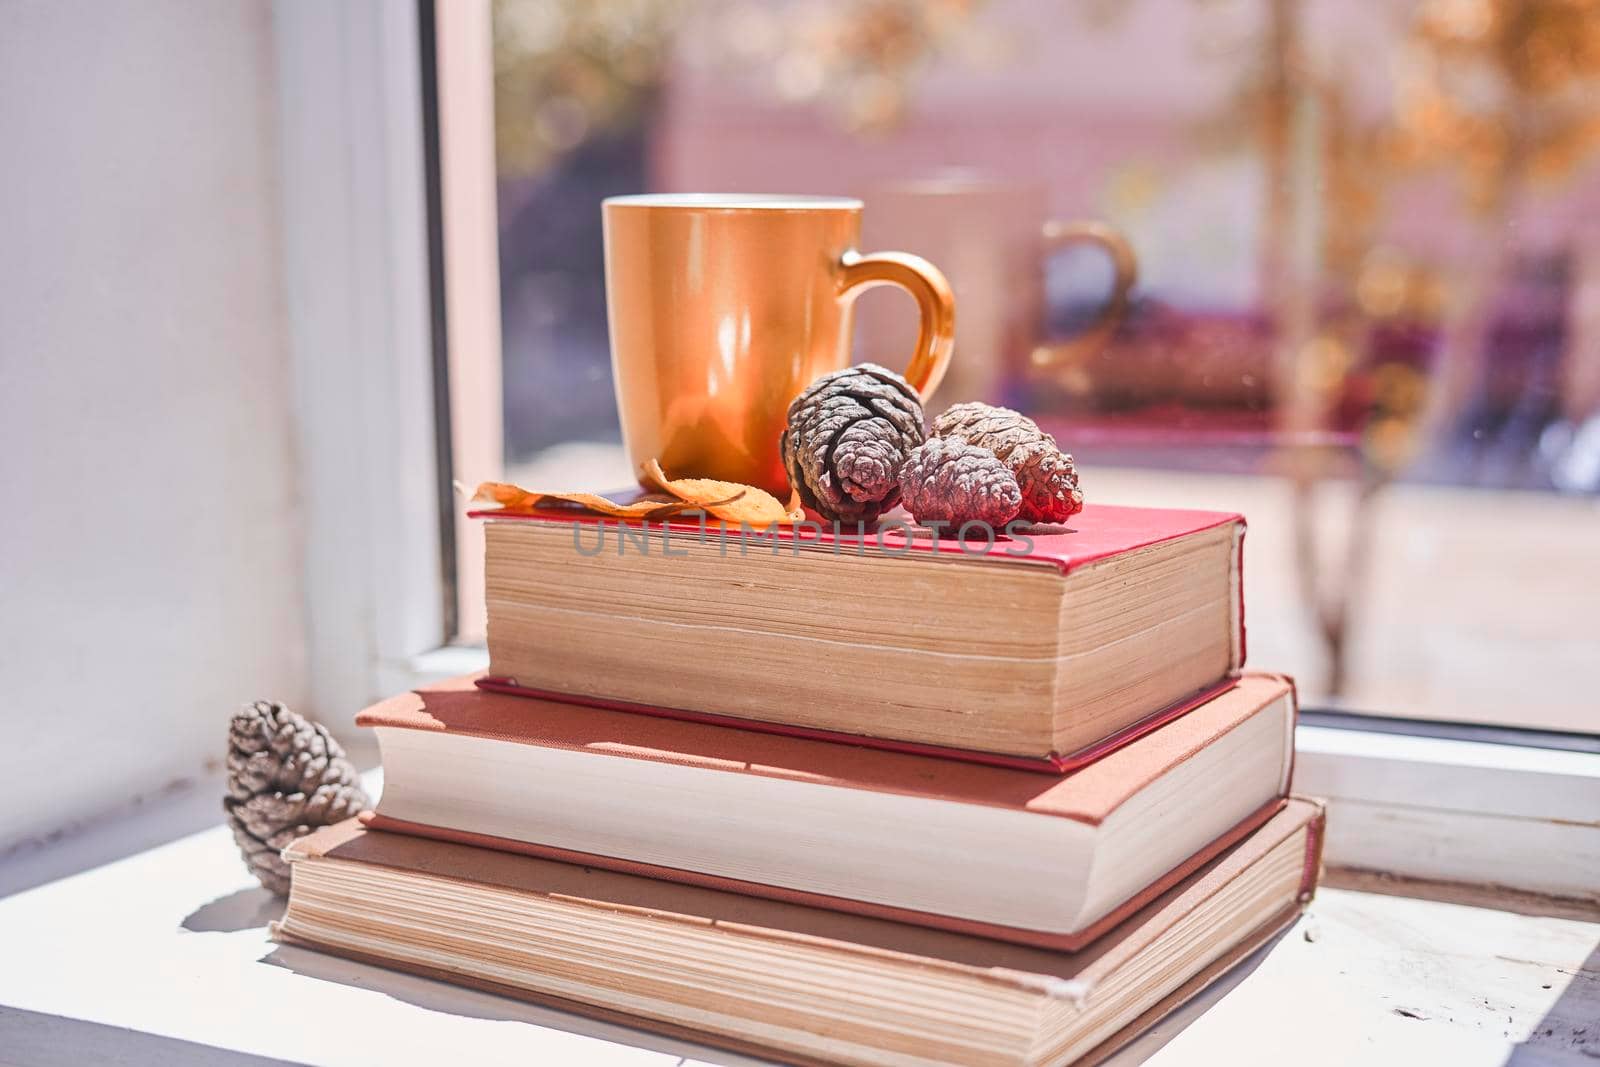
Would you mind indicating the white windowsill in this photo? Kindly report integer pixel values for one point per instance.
(1457, 811)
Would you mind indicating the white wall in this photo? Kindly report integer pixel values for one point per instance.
(149, 556)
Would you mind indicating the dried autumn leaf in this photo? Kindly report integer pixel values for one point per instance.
(515, 499)
(728, 501)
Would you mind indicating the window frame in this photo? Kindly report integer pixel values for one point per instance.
(357, 285)
(1487, 806)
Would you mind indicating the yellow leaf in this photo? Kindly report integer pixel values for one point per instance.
(516, 500)
(728, 501)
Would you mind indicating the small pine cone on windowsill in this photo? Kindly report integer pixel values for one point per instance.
(951, 482)
(287, 776)
(1045, 474)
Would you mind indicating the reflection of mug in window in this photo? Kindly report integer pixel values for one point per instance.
(992, 239)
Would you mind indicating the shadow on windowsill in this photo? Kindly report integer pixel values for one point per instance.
(1182, 1017)
(1569, 1033)
(243, 909)
(43, 1040)
(431, 995)
(1493, 898)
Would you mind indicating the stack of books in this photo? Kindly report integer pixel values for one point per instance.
(837, 798)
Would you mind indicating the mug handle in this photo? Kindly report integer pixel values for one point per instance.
(1125, 271)
(936, 336)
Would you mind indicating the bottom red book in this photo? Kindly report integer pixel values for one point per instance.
(769, 977)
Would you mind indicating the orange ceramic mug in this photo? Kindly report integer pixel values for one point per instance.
(723, 308)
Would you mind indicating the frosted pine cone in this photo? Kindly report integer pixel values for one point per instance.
(1000, 429)
(847, 436)
(1045, 474)
(287, 776)
(947, 480)
(1048, 480)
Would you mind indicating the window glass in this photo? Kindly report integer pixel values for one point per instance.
(1368, 305)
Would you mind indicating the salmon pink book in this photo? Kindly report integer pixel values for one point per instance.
(1042, 646)
(1005, 853)
(783, 980)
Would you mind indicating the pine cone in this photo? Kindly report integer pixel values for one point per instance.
(947, 480)
(1048, 480)
(286, 777)
(1045, 474)
(847, 436)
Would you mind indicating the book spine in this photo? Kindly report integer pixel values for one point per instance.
(1316, 833)
(1238, 593)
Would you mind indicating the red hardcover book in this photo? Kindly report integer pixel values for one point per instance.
(1046, 647)
(1000, 852)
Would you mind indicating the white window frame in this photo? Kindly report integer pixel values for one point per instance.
(1408, 805)
(361, 314)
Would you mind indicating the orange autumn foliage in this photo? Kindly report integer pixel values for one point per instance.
(728, 501)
